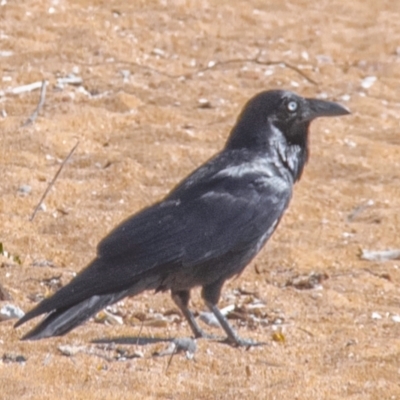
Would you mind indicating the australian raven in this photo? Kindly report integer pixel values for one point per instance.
(207, 229)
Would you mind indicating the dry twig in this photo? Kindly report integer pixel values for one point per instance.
(217, 64)
(42, 98)
(25, 88)
(53, 181)
(376, 255)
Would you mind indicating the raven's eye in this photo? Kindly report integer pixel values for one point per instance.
(292, 106)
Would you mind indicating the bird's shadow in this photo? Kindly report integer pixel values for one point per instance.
(131, 340)
(144, 341)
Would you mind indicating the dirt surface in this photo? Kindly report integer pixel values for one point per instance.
(162, 84)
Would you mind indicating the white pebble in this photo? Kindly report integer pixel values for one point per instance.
(367, 82)
(376, 315)
(396, 318)
(305, 55)
(10, 311)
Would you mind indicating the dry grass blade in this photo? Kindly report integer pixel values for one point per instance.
(42, 99)
(53, 181)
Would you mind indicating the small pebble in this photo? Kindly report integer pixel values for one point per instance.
(367, 82)
(9, 311)
(187, 345)
(70, 350)
(396, 318)
(376, 315)
(204, 103)
(13, 358)
(209, 319)
(24, 189)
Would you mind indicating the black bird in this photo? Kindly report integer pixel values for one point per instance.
(207, 229)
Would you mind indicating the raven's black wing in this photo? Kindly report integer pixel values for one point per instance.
(194, 224)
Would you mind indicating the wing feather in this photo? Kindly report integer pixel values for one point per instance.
(189, 228)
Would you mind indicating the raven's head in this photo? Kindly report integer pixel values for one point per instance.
(278, 109)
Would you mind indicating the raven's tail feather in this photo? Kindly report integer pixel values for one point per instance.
(64, 319)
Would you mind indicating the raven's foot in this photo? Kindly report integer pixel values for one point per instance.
(233, 338)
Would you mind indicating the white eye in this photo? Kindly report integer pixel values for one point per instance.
(292, 106)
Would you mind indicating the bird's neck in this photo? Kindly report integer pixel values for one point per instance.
(291, 149)
(248, 133)
(291, 155)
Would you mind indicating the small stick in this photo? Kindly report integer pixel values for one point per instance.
(140, 331)
(255, 60)
(170, 360)
(372, 255)
(42, 98)
(53, 181)
(25, 88)
(358, 210)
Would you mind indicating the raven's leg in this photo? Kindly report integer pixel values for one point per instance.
(211, 294)
(181, 299)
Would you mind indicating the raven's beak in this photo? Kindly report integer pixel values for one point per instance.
(322, 108)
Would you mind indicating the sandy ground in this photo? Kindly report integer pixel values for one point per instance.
(162, 84)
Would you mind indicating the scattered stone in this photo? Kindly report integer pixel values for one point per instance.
(13, 358)
(123, 354)
(376, 315)
(256, 304)
(178, 345)
(158, 52)
(43, 263)
(324, 59)
(304, 55)
(4, 295)
(158, 322)
(70, 350)
(24, 190)
(125, 74)
(106, 317)
(242, 315)
(384, 255)
(367, 82)
(204, 103)
(36, 297)
(209, 318)
(351, 342)
(6, 53)
(188, 345)
(345, 97)
(9, 311)
(70, 79)
(108, 352)
(309, 281)
(395, 318)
